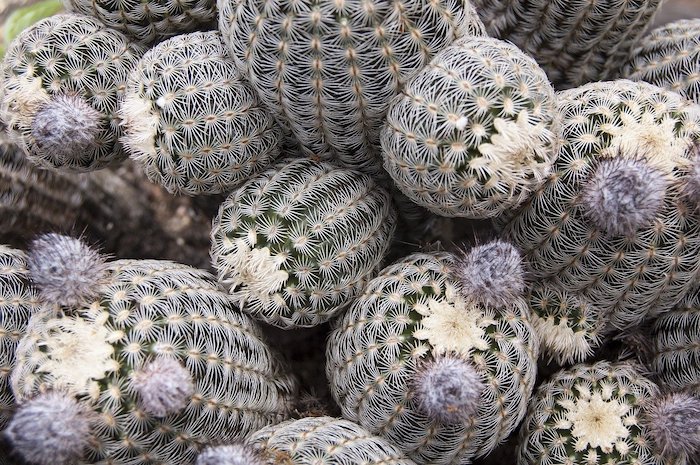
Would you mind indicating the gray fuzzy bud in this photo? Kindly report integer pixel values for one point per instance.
(164, 386)
(693, 182)
(232, 454)
(673, 422)
(51, 429)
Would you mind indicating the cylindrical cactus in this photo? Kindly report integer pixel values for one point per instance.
(440, 373)
(614, 222)
(329, 70)
(297, 243)
(475, 132)
(61, 79)
(575, 41)
(669, 57)
(191, 120)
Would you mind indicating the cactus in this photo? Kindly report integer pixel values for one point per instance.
(160, 362)
(61, 79)
(575, 41)
(192, 122)
(398, 357)
(631, 252)
(474, 133)
(329, 71)
(295, 244)
(669, 57)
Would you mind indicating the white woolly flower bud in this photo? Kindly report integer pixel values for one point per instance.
(673, 422)
(65, 270)
(50, 429)
(164, 387)
(232, 454)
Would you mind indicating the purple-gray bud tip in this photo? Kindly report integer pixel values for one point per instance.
(448, 389)
(673, 422)
(50, 429)
(65, 270)
(65, 128)
(491, 273)
(164, 387)
(232, 454)
(693, 181)
(623, 195)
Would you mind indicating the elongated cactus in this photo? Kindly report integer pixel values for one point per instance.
(575, 41)
(615, 222)
(61, 79)
(297, 243)
(474, 133)
(158, 364)
(440, 373)
(192, 122)
(669, 57)
(328, 71)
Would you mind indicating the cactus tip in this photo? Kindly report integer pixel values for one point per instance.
(673, 421)
(231, 454)
(164, 387)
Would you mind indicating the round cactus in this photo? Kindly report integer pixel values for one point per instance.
(399, 355)
(61, 80)
(149, 21)
(669, 57)
(160, 362)
(192, 122)
(297, 243)
(475, 132)
(328, 71)
(627, 251)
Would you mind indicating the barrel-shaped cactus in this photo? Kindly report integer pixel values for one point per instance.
(191, 120)
(615, 222)
(297, 243)
(475, 132)
(328, 70)
(438, 372)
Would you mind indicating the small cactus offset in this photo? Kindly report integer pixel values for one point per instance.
(192, 122)
(329, 70)
(154, 359)
(669, 57)
(443, 374)
(615, 221)
(149, 21)
(61, 79)
(295, 244)
(575, 41)
(475, 132)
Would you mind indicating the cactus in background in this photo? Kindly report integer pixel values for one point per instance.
(614, 222)
(160, 362)
(575, 41)
(329, 71)
(295, 244)
(149, 21)
(23, 17)
(61, 79)
(438, 372)
(669, 57)
(192, 122)
(475, 132)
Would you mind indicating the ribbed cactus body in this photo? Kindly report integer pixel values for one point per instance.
(151, 20)
(650, 268)
(156, 317)
(61, 80)
(329, 70)
(575, 41)
(191, 120)
(474, 132)
(411, 315)
(669, 57)
(298, 242)
(589, 414)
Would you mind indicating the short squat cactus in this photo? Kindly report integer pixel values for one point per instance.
(669, 57)
(442, 373)
(474, 133)
(61, 79)
(615, 221)
(192, 122)
(155, 362)
(297, 243)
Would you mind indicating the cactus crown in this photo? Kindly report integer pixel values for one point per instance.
(164, 386)
(230, 454)
(673, 422)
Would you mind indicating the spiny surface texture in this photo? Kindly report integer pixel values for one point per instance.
(673, 422)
